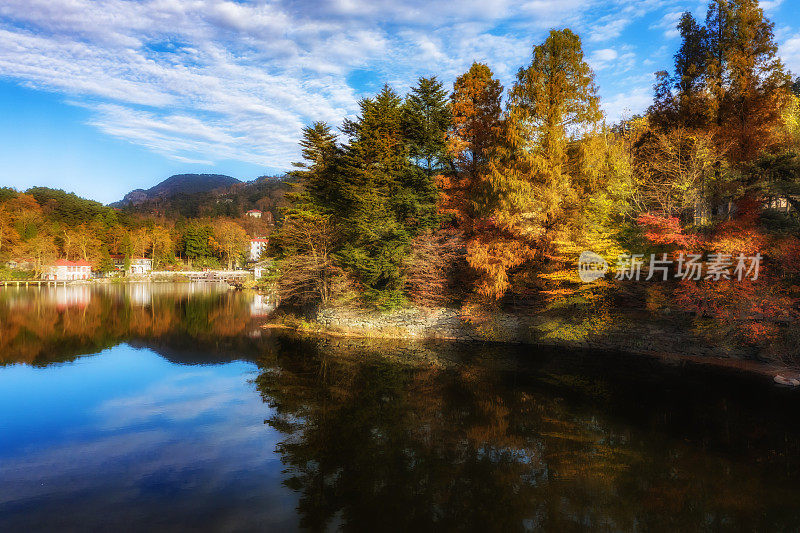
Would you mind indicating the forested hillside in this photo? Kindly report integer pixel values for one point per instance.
(179, 184)
(178, 229)
(484, 197)
(199, 195)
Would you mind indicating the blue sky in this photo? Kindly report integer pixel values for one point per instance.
(103, 96)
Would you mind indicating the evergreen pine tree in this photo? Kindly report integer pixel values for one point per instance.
(386, 200)
(426, 120)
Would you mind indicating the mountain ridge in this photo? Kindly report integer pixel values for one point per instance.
(175, 185)
(209, 196)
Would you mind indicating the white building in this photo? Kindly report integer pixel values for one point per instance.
(63, 270)
(21, 264)
(257, 248)
(139, 266)
(255, 213)
(261, 268)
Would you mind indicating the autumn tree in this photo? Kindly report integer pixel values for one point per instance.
(81, 243)
(41, 248)
(530, 175)
(727, 78)
(26, 214)
(477, 126)
(755, 88)
(140, 242)
(232, 240)
(9, 237)
(309, 272)
(163, 245)
(430, 267)
(680, 172)
(437, 263)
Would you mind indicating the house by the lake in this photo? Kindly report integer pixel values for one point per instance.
(257, 248)
(261, 268)
(138, 266)
(21, 263)
(64, 270)
(255, 213)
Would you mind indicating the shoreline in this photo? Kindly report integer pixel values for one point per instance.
(357, 324)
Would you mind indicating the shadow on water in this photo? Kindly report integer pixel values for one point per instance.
(399, 436)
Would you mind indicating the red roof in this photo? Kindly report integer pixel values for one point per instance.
(254, 211)
(259, 240)
(66, 263)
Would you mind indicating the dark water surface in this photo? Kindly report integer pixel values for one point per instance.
(166, 407)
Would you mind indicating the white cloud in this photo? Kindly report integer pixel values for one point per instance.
(608, 28)
(669, 23)
(770, 5)
(206, 80)
(603, 56)
(610, 58)
(789, 51)
(626, 104)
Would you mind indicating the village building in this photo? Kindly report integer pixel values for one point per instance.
(257, 248)
(260, 269)
(138, 266)
(255, 213)
(64, 270)
(21, 263)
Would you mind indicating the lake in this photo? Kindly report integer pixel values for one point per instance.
(168, 407)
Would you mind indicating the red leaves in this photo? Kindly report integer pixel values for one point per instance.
(665, 231)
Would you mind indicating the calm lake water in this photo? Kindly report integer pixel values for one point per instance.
(153, 407)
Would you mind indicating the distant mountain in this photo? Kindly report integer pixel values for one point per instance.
(209, 195)
(179, 184)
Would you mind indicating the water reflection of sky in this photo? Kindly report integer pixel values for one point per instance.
(132, 435)
(371, 436)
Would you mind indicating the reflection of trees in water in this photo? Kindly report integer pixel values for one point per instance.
(38, 327)
(370, 443)
(376, 437)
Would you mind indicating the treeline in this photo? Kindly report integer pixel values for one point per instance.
(481, 196)
(41, 225)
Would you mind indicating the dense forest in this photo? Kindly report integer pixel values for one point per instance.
(483, 197)
(206, 229)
